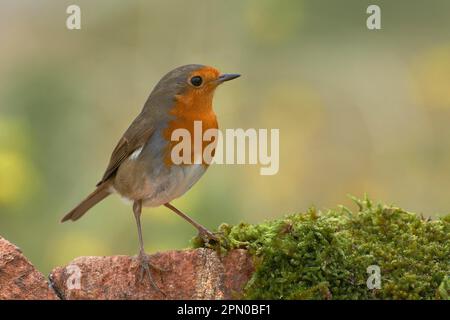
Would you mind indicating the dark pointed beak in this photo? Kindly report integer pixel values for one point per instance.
(227, 77)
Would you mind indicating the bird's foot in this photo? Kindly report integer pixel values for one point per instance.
(145, 267)
(207, 235)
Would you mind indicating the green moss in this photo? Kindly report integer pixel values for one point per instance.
(325, 255)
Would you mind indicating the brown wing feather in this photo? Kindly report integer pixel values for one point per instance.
(135, 137)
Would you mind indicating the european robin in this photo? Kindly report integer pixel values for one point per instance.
(140, 168)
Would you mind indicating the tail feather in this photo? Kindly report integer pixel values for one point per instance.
(98, 195)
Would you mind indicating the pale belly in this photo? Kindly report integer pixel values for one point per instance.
(174, 185)
(156, 187)
(145, 176)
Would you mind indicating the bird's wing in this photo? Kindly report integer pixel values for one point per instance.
(134, 138)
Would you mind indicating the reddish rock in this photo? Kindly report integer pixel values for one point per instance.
(18, 278)
(188, 274)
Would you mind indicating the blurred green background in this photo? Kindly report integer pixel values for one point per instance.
(358, 111)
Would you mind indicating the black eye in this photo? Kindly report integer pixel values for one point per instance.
(196, 81)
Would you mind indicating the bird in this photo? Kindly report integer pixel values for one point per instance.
(141, 169)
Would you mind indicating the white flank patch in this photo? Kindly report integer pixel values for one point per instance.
(136, 154)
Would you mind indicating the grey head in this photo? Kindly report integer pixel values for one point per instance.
(173, 83)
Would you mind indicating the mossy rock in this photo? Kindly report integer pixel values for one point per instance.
(326, 255)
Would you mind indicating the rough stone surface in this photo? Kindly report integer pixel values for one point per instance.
(188, 274)
(18, 278)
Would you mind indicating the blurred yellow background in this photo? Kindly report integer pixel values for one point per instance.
(358, 111)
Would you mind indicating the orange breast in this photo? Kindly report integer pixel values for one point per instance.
(190, 107)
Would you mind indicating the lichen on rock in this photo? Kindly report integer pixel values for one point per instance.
(325, 255)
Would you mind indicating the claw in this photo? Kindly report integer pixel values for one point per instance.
(207, 235)
(144, 266)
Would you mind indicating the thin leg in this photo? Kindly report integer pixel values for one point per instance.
(137, 210)
(204, 233)
(143, 258)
